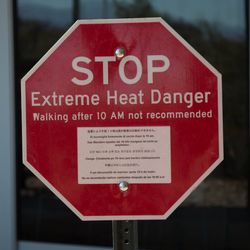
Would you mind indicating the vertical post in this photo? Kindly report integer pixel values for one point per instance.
(247, 5)
(75, 10)
(7, 131)
(125, 235)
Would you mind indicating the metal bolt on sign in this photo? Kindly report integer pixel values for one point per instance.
(120, 53)
(123, 185)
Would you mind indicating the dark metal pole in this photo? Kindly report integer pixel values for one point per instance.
(75, 10)
(125, 235)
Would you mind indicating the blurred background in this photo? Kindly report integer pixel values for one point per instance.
(216, 215)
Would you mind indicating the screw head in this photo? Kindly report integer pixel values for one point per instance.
(123, 185)
(120, 53)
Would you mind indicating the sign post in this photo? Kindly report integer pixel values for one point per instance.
(122, 120)
(125, 235)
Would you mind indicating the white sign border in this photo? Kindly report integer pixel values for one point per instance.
(220, 120)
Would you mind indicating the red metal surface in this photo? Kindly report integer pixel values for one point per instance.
(52, 146)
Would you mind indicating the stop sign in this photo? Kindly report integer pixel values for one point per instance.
(122, 119)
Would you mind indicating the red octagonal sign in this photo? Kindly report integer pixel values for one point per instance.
(122, 119)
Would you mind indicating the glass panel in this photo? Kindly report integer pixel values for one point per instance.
(90, 9)
(55, 13)
(217, 30)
